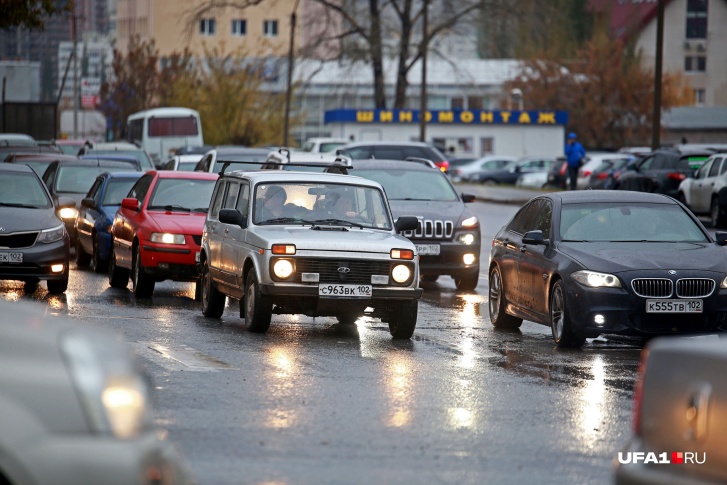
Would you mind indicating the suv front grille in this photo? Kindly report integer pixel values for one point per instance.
(653, 287)
(360, 271)
(695, 287)
(431, 229)
(18, 240)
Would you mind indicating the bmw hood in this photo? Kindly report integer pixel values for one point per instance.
(330, 238)
(606, 258)
(20, 219)
(429, 209)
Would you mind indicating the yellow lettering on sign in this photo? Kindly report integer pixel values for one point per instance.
(428, 116)
(486, 117)
(524, 118)
(405, 117)
(505, 116)
(385, 116)
(466, 117)
(364, 116)
(446, 117)
(546, 118)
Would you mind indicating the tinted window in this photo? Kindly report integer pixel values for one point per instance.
(140, 188)
(243, 202)
(524, 219)
(217, 204)
(233, 189)
(182, 194)
(22, 189)
(116, 190)
(714, 169)
(178, 126)
(691, 162)
(402, 184)
(543, 217)
(628, 222)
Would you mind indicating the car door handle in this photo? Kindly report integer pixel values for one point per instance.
(212, 227)
(523, 249)
(227, 230)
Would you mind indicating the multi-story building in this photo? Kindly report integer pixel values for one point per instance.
(695, 40)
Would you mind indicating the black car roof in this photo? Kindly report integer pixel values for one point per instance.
(610, 196)
(377, 163)
(94, 163)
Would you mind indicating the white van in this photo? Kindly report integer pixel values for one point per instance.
(161, 131)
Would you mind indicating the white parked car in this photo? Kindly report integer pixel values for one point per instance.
(323, 145)
(536, 180)
(490, 162)
(706, 193)
(593, 161)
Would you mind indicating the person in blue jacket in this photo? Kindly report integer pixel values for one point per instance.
(574, 154)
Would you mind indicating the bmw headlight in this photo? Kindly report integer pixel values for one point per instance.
(112, 392)
(167, 238)
(596, 280)
(52, 235)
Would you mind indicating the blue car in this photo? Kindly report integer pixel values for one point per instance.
(96, 215)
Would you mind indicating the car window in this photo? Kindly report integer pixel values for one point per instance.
(714, 168)
(182, 194)
(75, 179)
(543, 217)
(140, 188)
(243, 201)
(637, 222)
(359, 153)
(49, 174)
(691, 162)
(95, 189)
(724, 166)
(22, 189)
(329, 146)
(403, 184)
(524, 219)
(230, 200)
(217, 203)
(116, 190)
(664, 161)
(169, 165)
(186, 166)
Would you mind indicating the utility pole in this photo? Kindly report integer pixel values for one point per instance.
(290, 74)
(656, 114)
(75, 78)
(423, 94)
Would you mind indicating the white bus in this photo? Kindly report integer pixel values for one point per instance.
(161, 131)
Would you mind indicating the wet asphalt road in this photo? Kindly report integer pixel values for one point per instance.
(314, 402)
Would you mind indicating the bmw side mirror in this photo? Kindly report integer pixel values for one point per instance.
(88, 203)
(533, 237)
(232, 216)
(64, 202)
(468, 198)
(130, 203)
(406, 223)
(721, 238)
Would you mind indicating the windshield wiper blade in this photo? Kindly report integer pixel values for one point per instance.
(201, 209)
(338, 221)
(11, 204)
(282, 220)
(170, 208)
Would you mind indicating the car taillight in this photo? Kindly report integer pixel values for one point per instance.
(639, 391)
(584, 173)
(563, 168)
(676, 176)
(443, 165)
(602, 175)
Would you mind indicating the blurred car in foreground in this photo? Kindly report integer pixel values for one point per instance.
(509, 174)
(706, 193)
(96, 214)
(75, 408)
(157, 232)
(590, 262)
(448, 237)
(34, 243)
(680, 414)
(662, 171)
(465, 171)
(593, 161)
(394, 150)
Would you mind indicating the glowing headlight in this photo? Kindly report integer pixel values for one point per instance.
(724, 283)
(401, 273)
(596, 280)
(68, 213)
(167, 238)
(467, 239)
(469, 222)
(113, 394)
(52, 235)
(283, 268)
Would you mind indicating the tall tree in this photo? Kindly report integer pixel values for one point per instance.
(607, 94)
(31, 14)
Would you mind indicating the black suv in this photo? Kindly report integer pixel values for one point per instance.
(662, 171)
(448, 238)
(394, 150)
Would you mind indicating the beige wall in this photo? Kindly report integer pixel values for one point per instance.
(676, 48)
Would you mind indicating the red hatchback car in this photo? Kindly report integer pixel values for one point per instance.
(157, 232)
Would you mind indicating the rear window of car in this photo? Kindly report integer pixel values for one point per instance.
(402, 184)
(692, 162)
(78, 180)
(116, 190)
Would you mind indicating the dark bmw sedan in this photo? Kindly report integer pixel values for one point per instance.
(596, 262)
(34, 244)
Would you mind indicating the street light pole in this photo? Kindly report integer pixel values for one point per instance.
(423, 94)
(290, 74)
(656, 114)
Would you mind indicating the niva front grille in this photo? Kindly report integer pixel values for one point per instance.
(359, 271)
(18, 240)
